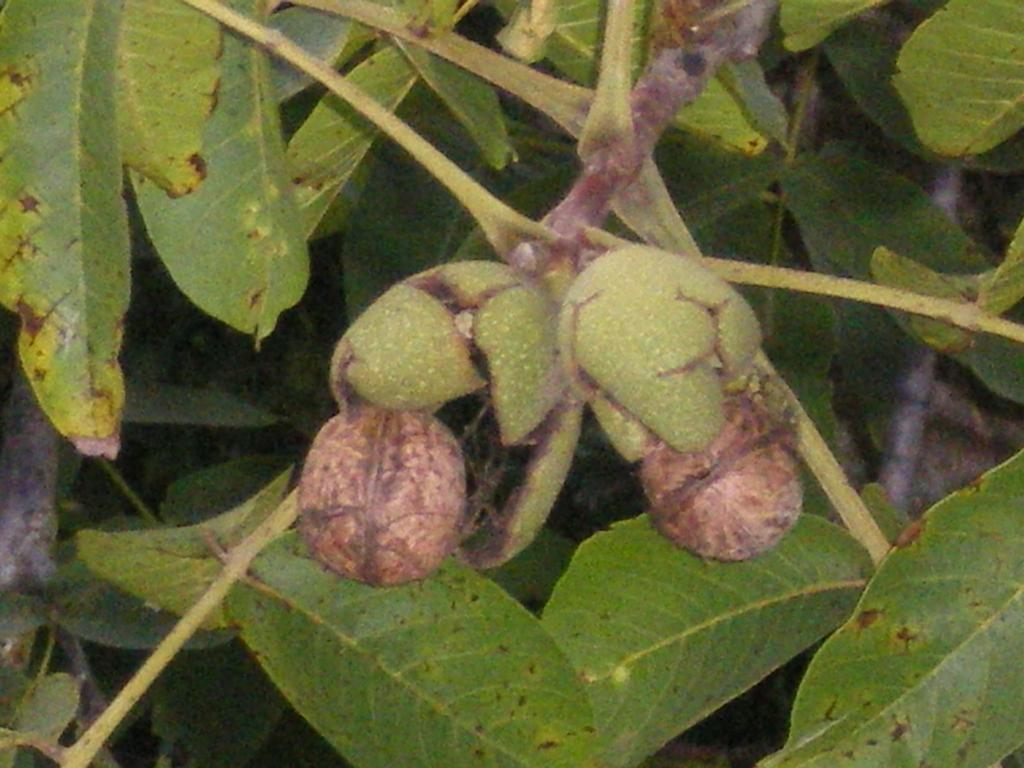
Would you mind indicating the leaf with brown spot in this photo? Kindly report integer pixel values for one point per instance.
(63, 228)
(655, 631)
(332, 142)
(414, 679)
(935, 678)
(238, 235)
(167, 75)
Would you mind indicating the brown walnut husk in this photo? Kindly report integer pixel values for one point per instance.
(383, 495)
(735, 499)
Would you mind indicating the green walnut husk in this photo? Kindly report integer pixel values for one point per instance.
(418, 346)
(510, 531)
(653, 341)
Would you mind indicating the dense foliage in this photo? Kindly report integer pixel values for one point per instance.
(199, 198)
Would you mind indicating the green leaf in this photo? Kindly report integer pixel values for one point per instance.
(807, 22)
(927, 670)
(864, 57)
(235, 245)
(63, 228)
(717, 115)
(893, 270)
(404, 223)
(95, 610)
(662, 638)
(167, 82)
(150, 403)
(450, 671)
(708, 183)
(801, 342)
(322, 34)
(325, 152)
(1005, 287)
(51, 703)
(572, 46)
(961, 75)
(846, 207)
(472, 101)
(530, 576)
(1000, 365)
(217, 705)
(171, 567)
(745, 81)
(199, 495)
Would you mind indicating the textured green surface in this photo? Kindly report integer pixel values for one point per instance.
(961, 75)
(406, 352)
(63, 230)
(171, 567)
(473, 282)
(167, 81)
(927, 670)
(235, 246)
(332, 142)
(515, 331)
(658, 334)
(663, 638)
(807, 22)
(450, 671)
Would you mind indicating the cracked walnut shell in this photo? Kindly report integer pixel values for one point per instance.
(382, 495)
(735, 499)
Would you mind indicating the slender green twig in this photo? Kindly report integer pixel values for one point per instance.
(563, 102)
(236, 562)
(610, 119)
(830, 475)
(963, 315)
(504, 227)
(144, 510)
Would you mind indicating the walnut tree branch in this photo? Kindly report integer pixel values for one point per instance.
(28, 482)
(675, 76)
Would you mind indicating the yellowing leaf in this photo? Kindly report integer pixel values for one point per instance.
(167, 75)
(235, 245)
(63, 229)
